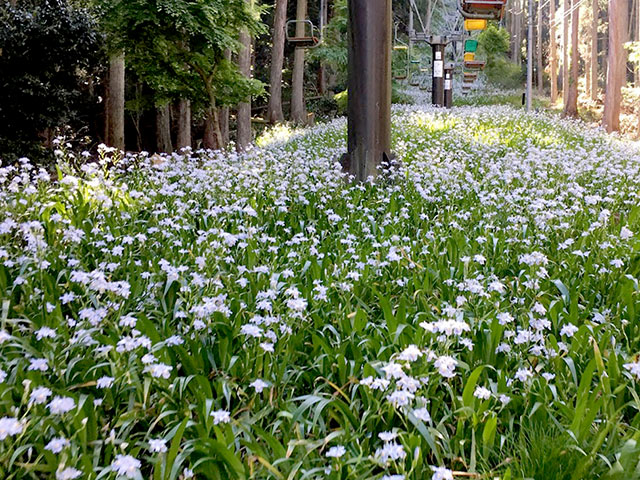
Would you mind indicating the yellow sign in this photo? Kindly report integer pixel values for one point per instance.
(471, 24)
(469, 57)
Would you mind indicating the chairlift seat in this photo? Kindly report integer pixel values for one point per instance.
(470, 46)
(474, 64)
(305, 36)
(486, 9)
(304, 42)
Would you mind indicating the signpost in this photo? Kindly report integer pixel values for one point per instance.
(448, 85)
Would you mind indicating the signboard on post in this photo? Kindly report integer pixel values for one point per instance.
(438, 68)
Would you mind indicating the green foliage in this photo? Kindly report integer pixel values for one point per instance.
(634, 52)
(49, 54)
(397, 97)
(494, 44)
(178, 46)
(494, 40)
(333, 51)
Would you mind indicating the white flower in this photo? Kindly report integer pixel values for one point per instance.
(251, 330)
(422, 414)
(390, 451)
(441, 473)
(39, 395)
(56, 445)
(634, 368)
(39, 364)
(61, 405)
(45, 332)
(104, 382)
(410, 354)
(387, 436)
(220, 416)
(126, 466)
(259, 385)
(625, 233)
(159, 370)
(336, 452)
(482, 393)
(393, 370)
(3, 376)
(523, 374)
(400, 398)
(158, 445)
(68, 473)
(446, 366)
(569, 330)
(393, 477)
(10, 427)
(504, 399)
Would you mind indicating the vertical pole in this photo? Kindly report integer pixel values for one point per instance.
(369, 80)
(448, 86)
(437, 86)
(529, 55)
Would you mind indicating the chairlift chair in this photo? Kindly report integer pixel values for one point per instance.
(402, 73)
(310, 37)
(303, 33)
(474, 65)
(482, 9)
(470, 46)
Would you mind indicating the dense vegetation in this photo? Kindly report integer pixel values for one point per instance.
(253, 316)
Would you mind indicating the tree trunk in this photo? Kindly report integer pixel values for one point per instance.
(223, 113)
(565, 50)
(183, 139)
(274, 108)
(594, 51)
(212, 132)
(322, 69)
(114, 128)
(540, 77)
(516, 52)
(616, 71)
(298, 110)
(243, 120)
(637, 83)
(553, 52)
(163, 129)
(571, 106)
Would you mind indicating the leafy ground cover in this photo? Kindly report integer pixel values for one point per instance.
(474, 314)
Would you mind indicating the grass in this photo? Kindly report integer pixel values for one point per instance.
(475, 310)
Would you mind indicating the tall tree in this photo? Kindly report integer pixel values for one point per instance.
(178, 47)
(243, 119)
(571, 104)
(566, 5)
(637, 82)
(516, 32)
(163, 129)
(553, 52)
(539, 68)
(184, 124)
(616, 71)
(114, 128)
(594, 50)
(298, 109)
(274, 108)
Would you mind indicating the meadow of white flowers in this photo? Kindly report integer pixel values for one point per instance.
(216, 316)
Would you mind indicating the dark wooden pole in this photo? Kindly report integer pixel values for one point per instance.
(369, 78)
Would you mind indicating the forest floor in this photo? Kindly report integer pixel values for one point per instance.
(473, 314)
